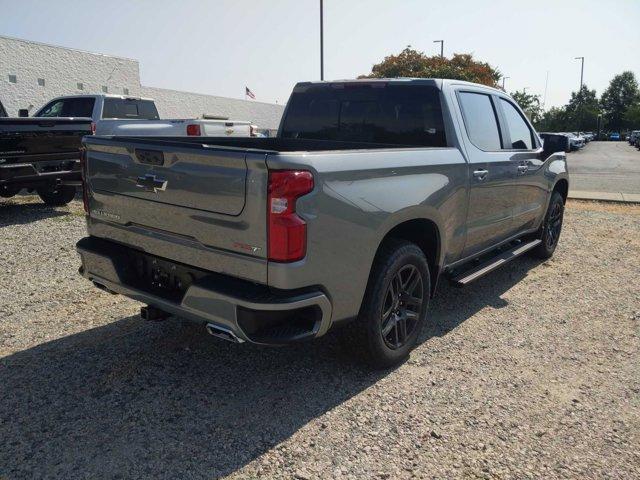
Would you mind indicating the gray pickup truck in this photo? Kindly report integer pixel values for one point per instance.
(372, 191)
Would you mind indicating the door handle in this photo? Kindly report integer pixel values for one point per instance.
(480, 174)
(523, 168)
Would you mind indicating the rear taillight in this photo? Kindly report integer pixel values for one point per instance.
(93, 128)
(193, 130)
(287, 235)
(83, 170)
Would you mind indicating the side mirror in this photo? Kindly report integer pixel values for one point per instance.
(23, 112)
(552, 143)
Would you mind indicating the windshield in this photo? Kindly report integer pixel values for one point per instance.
(374, 113)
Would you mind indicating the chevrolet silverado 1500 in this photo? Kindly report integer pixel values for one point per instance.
(372, 191)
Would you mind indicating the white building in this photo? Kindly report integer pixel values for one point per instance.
(32, 73)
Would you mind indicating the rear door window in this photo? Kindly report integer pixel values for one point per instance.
(126, 108)
(519, 131)
(383, 113)
(480, 120)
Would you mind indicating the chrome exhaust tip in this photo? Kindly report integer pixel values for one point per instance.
(223, 333)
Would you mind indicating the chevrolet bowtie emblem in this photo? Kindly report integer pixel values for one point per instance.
(151, 183)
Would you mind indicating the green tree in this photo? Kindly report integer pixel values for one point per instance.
(412, 63)
(530, 104)
(553, 120)
(620, 95)
(632, 116)
(582, 110)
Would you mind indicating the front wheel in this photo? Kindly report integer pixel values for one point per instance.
(57, 196)
(395, 305)
(551, 227)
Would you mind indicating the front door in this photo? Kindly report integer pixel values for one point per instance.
(530, 198)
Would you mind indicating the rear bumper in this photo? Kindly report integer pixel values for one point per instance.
(35, 174)
(253, 312)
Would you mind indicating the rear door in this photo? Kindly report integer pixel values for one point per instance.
(492, 174)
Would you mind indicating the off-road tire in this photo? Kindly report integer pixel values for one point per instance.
(395, 257)
(551, 228)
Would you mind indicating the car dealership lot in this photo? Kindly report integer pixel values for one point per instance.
(605, 167)
(530, 372)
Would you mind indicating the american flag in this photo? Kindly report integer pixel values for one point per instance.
(249, 93)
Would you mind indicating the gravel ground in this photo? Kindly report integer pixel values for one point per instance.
(532, 372)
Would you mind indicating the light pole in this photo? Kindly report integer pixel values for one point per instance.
(503, 80)
(581, 71)
(321, 43)
(580, 93)
(441, 42)
(546, 84)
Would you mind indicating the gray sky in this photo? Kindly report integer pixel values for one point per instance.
(219, 46)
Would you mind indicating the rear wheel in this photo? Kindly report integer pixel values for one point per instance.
(57, 196)
(395, 304)
(8, 191)
(551, 227)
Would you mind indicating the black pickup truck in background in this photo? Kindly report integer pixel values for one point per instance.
(42, 155)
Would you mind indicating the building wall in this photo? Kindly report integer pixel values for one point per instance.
(62, 69)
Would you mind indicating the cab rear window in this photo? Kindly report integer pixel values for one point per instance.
(129, 108)
(360, 112)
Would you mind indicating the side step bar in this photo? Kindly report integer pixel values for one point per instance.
(469, 276)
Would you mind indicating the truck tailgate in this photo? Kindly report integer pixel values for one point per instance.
(33, 139)
(213, 181)
(191, 202)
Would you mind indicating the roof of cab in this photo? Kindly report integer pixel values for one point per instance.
(438, 82)
(103, 95)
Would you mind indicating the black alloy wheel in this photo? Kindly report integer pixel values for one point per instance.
(402, 304)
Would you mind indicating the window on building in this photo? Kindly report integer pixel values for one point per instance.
(125, 91)
(13, 79)
(105, 89)
(41, 82)
(80, 86)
